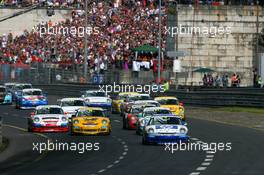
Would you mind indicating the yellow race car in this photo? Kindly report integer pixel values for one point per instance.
(116, 103)
(173, 104)
(90, 121)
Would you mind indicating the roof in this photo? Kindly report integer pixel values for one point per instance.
(48, 106)
(32, 89)
(165, 97)
(155, 108)
(146, 49)
(127, 93)
(72, 99)
(91, 108)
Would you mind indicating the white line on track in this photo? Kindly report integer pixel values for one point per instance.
(210, 156)
(124, 153)
(208, 160)
(102, 170)
(206, 163)
(195, 173)
(201, 168)
(117, 121)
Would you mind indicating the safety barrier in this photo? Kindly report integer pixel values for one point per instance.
(251, 97)
(1, 136)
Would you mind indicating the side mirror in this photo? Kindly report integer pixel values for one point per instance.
(83, 96)
(184, 123)
(45, 94)
(181, 104)
(32, 113)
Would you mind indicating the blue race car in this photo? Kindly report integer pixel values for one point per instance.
(19, 87)
(30, 98)
(5, 96)
(165, 129)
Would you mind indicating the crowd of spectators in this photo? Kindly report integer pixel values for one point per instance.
(80, 3)
(121, 27)
(221, 81)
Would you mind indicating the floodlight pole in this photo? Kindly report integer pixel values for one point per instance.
(85, 41)
(159, 56)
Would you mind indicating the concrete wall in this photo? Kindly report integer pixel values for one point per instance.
(28, 20)
(224, 53)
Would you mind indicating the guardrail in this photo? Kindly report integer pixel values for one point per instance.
(1, 136)
(250, 97)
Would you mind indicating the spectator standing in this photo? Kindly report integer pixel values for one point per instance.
(259, 81)
(225, 80)
(205, 80)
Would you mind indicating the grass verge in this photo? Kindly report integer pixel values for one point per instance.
(240, 109)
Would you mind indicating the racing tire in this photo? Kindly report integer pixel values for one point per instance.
(29, 129)
(144, 142)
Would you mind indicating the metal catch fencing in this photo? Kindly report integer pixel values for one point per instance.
(41, 73)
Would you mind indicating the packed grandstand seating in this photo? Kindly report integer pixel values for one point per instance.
(119, 30)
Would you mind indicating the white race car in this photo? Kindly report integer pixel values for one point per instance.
(162, 129)
(71, 105)
(97, 99)
(144, 117)
(48, 118)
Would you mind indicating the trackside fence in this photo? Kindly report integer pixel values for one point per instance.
(218, 97)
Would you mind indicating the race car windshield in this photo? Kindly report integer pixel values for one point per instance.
(94, 94)
(161, 111)
(49, 111)
(32, 93)
(27, 86)
(2, 89)
(136, 110)
(73, 103)
(165, 121)
(168, 102)
(135, 98)
(94, 113)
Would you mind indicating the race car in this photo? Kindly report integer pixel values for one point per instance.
(173, 104)
(48, 118)
(5, 96)
(71, 105)
(19, 87)
(144, 117)
(131, 116)
(116, 103)
(30, 98)
(98, 99)
(90, 121)
(130, 99)
(162, 129)
(9, 86)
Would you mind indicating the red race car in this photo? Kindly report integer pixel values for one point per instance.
(130, 118)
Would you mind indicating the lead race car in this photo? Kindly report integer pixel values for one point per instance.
(30, 98)
(5, 96)
(98, 99)
(48, 118)
(162, 129)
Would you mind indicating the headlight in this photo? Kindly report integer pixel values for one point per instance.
(64, 119)
(142, 123)
(133, 118)
(36, 119)
(76, 121)
(109, 101)
(150, 130)
(104, 122)
(183, 131)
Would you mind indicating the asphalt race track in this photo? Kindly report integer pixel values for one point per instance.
(122, 152)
